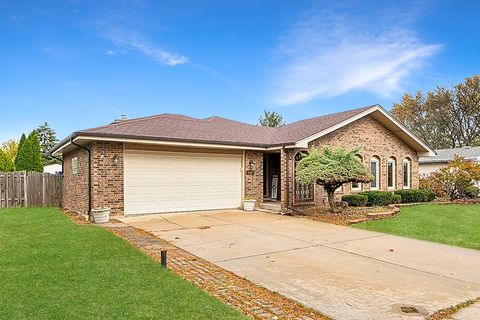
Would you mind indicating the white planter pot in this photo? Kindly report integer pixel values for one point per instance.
(101, 215)
(249, 205)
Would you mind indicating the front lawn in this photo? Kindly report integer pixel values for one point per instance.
(51, 268)
(457, 225)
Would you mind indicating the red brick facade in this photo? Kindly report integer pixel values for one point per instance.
(108, 166)
(75, 186)
(107, 176)
(375, 141)
(254, 175)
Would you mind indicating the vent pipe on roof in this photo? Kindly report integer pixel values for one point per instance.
(123, 117)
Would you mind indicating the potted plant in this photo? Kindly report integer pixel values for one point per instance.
(101, 215)
(248, 204)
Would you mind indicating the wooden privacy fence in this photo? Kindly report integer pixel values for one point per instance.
(22, 189)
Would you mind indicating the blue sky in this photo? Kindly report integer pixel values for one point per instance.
(79, 64)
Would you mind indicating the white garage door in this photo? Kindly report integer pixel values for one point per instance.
(158, 182)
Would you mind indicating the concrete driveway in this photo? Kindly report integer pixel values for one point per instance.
(342, 272)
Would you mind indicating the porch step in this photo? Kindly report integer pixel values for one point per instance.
(271, 206)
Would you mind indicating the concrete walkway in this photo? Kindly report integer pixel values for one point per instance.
(342, 272)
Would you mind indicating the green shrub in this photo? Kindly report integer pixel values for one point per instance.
(430, 195)
(379, 198)
(355, 200)
(471, 192)
(415, 195)
(397, 199)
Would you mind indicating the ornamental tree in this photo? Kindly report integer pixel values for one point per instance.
(332, 169)
(457, 178)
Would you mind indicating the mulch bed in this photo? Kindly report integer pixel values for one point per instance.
(348, 216)
(252, 300)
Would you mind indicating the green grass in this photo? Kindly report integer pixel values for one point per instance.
(51, 268)
(457, 225)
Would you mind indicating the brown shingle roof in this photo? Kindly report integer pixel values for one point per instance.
(217, 130)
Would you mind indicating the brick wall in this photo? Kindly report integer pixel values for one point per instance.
(287, 188)
(375, 141)
(107, 176)
(75, 187)
(254, 182)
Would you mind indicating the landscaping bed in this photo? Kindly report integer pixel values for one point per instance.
(349, 215)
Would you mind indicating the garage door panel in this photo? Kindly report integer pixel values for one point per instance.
(158, 182)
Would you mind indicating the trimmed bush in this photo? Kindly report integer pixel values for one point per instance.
(355, 200)
(379, 198)
(471, 192)
(415, 195)
(397, 199)
(430, 195)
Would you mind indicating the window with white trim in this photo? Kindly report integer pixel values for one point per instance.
(407, 174)
(357, 186)
(375, 170)
(391, 173)
(74, 166)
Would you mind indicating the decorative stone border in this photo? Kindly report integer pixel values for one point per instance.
(371, 216)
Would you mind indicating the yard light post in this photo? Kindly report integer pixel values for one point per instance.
(163, 258)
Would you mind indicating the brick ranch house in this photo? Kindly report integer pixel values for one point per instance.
(168, 163)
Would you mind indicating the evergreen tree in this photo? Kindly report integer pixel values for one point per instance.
(37, 161)
(47, 139)
(29, 157)
(6, 164)
(20, 144)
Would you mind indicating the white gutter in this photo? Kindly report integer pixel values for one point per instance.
(164, 143)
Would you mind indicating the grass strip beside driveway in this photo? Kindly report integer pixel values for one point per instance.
(456, 225)
(52, 268)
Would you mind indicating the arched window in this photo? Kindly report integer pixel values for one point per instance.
(375, 170)
(357, 186)
(407, 173)
(392, 173)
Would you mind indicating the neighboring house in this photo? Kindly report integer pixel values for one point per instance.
(428, 165)
(53, 169)
(168, 162)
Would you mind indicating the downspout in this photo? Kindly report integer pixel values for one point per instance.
(89, 175)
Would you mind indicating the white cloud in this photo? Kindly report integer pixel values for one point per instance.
(135, 42)
(326, 55)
